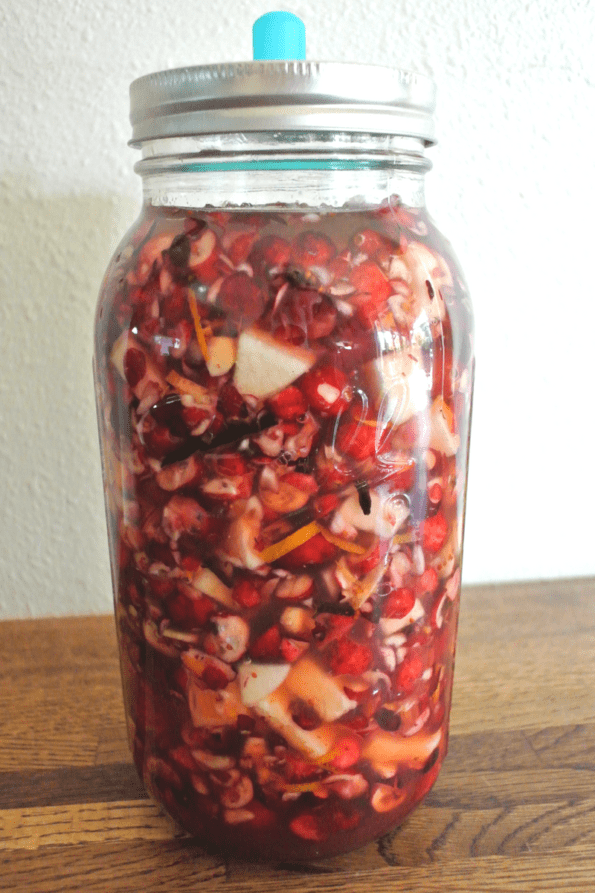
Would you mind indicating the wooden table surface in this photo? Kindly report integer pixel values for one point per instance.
(513, 809)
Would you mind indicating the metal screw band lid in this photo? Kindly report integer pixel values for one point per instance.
(282, 96)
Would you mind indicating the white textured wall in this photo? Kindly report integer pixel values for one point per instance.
(512, 187)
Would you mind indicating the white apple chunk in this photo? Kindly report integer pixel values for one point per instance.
(211, 709)
(322, 692)
(385, 517)
(401, 385)
(222, 355)
(265, 365)
(258, 681)
(441, 437)
(386, 751)
(314, 744)
(208, 583)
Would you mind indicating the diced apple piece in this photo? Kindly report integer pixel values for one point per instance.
(222, 355)
(360, 591)
(265, 365)
(386, 751)
(210, 709)
(315, 744)
(321, 691)
(441, 437)
(238, 547)
(385, 517)
(209, 584)
(385, 797)
(258, 681)
(399, 386)
(297, 621)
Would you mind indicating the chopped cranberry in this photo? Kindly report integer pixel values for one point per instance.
(268, 645)
(190, 612)
(326, 390)
(231, 465)
(399, 603)
(135, 366)
(435, 532)
(313, 250)
(246, 594)
(408, 672)
(325, 504)
(357, 440)
(369, 279)
(288, 404)
(231, 403)
(349, 750)
(334, 626)
(310, 827)
(346, 657)
(292, 649)
(426, 582)
(268, 253)
(241, 297)
(368, 241)
(316, 550)
(312, 313)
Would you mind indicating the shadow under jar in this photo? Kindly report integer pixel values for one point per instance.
(284, 368)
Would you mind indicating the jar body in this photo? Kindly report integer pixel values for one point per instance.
(284, 398)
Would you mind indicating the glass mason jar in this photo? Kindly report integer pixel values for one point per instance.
(284, 368)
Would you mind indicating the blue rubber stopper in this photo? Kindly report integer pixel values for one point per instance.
(279, 35)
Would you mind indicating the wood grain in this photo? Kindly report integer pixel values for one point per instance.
(513, 809)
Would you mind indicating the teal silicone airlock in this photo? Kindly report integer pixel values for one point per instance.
(279, 35)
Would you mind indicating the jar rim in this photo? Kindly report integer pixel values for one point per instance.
(282, 96)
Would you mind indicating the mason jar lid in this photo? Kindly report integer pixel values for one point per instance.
(282, 96)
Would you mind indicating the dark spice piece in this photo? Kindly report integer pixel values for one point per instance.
(179, 250)
(231, 433)
(363, 494)
(430, 289)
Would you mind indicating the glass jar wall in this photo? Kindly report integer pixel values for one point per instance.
(284, 368)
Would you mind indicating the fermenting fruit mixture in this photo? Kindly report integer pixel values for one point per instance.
(284, 415)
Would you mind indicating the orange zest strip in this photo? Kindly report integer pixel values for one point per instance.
(302, 788)
(403, 538)
(327, 757)
(200, 335)
(291, 542)
(342, 543)
(185, 386)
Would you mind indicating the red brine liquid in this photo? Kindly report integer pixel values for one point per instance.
(284, 404)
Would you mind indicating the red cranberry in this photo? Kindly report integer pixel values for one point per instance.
(435, 532)
(246, 594)
(326, 390)
(408, 672)
(288, 404)
(267, 646)
(357, 440)
(135, 366)
(241, 298)
(316, 550)
(313, 250)
(399, 603)
(348, 657)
